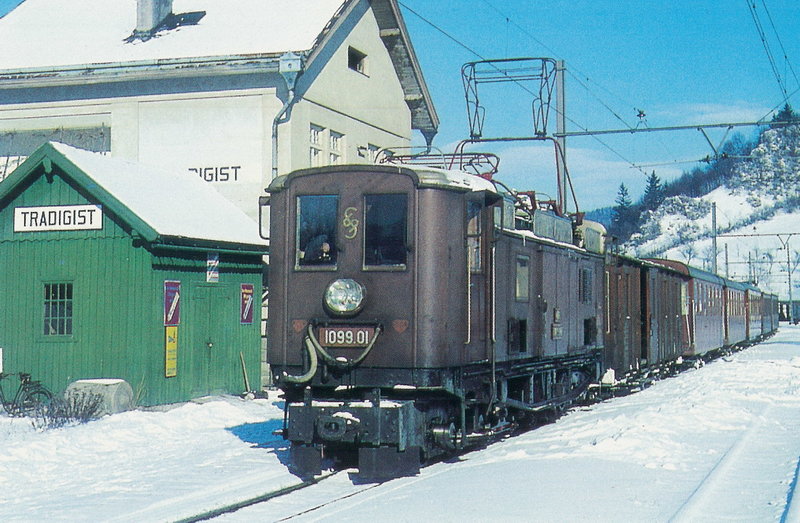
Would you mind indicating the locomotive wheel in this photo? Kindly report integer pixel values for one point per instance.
(442, 430)
(479, 422)
(444, 435)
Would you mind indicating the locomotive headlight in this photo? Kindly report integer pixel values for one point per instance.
(345, 297)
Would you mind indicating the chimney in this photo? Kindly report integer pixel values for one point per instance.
(150, 13)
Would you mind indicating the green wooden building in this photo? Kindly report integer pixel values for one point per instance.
(109, 269)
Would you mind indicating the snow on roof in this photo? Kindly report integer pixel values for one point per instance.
(173, 205)
(452, 178)
(53, 33)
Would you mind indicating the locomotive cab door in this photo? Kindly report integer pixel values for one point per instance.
(654, 319)
(478, 261)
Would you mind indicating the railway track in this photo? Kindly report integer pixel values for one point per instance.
(262, 498)
(328, 503)
(792, 510)
(725, 489)
(314, 504)
(311, 506)
(719, 477)
(324, 502)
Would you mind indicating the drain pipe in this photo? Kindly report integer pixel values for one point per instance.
(289, 67)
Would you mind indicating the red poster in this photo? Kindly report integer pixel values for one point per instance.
(248, 304)
(172, 302)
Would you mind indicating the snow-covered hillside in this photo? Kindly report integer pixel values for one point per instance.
(756, 211)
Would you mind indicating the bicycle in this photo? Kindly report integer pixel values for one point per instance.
(31, 397)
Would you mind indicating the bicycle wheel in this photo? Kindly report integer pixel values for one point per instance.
(33, 401)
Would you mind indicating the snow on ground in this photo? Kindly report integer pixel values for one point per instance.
(733, 209)
(720, 443)
(745, 251)
(717, 443)
(142, 466)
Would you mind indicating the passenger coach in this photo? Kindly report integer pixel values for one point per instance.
(707, 307)
(648, 314)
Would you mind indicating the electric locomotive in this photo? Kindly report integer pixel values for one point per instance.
(416, 310)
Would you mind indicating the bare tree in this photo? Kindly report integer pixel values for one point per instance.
(688, 251)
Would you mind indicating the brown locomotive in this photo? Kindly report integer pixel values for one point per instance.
(415, 310)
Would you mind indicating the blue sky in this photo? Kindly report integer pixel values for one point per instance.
(683, 62)
(6, 5)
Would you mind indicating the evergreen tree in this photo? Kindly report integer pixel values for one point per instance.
(653, 193)
(623, 200)
(786, 115)
(622, 225)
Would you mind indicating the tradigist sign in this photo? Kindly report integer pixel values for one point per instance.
(58, 218)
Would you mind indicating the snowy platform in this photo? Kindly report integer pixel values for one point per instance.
(717, 443)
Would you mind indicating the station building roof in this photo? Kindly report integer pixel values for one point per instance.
(162, 207)
(53, 42)
(53, 33)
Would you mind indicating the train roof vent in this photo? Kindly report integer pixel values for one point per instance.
(549, 225)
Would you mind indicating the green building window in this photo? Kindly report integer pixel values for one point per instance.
(57, 309)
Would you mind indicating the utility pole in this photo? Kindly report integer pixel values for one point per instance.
(727, 266)
(561, 139)
(714, 239)
(785, 244)
(789, 271)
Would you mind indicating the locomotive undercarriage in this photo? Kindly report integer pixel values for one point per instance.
(392, 430)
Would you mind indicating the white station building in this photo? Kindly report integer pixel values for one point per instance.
(234, 92)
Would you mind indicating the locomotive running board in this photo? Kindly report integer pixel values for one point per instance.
(551, 403)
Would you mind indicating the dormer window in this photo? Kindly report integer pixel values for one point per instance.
(356, 60)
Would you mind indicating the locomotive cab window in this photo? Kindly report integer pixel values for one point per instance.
(474, 230)
(523, 278)
(316, 230)
(385, 219)
(585, 285)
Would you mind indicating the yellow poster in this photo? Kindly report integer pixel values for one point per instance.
(171, 352)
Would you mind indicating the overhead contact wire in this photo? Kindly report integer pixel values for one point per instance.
(472, 51)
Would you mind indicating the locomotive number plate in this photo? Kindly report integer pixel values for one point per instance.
(345, 336)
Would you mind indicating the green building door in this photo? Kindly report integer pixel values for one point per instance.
(213, 317)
